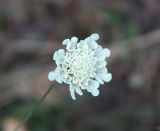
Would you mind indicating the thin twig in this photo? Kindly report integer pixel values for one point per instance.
(34, 110)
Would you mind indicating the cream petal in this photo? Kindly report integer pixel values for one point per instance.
(106, 52)
(61, 52)
(72, 92)
(98, 49)
(107, 77)
(72, 45)
(56, 75)
(102, 70)
(59, 56)
(78, 90)
(88, 40)
(59, 77)
(101, 64)
(95, 92)
(66, 42)
(99, 79)
(55, 55)
(101, 55)
(82, 45)
(52, 75)
(97, 52)
(74, 40)
(102, 73)
(93, 83)
(92, 45)
(94, 36)
(93, 87)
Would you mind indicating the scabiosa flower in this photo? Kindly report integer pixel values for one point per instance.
(82, 66)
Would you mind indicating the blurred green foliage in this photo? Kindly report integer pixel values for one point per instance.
(121, 27)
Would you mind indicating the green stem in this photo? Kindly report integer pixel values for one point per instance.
(34, 110)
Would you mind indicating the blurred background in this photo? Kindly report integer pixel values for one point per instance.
(30, 32)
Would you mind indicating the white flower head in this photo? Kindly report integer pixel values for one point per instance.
(82, 66)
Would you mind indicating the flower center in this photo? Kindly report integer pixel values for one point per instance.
(79, 66)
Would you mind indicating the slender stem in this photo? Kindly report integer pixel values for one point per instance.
(27, 117)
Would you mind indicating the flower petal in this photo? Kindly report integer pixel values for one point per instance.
(106, 52)
(72, 45)
(104, 76)
(78, 91)
(56, 75)
(52, 76)
(72, 92)
(102, 70)
(58, 72)
(94, 36)
(59, 79)
(66, 42)
(59, 56)
(93, 87)
(88, 40)
(107, 77)
(92, 45)
(99, 80)
(82, 45)
(95, 92)
(101, 64)
(74, 40)
(101, 54)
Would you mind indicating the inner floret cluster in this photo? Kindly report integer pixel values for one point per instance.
(82, 66)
